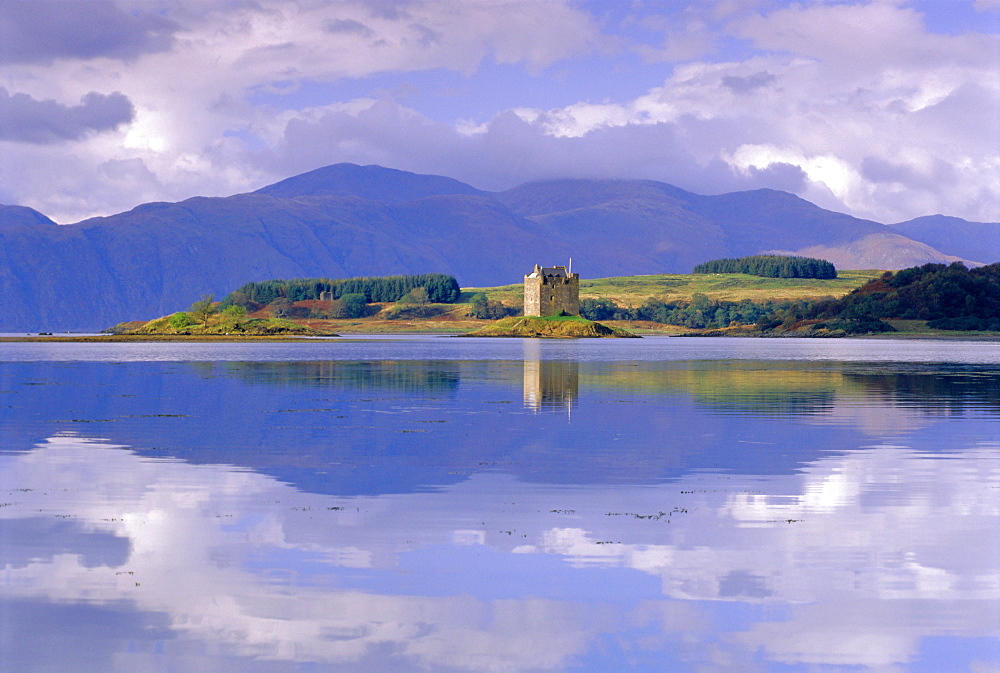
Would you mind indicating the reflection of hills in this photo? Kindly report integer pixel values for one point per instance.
(354, 427)
(932, 389)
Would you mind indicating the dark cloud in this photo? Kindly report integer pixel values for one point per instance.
(391, 10)
(786, 177)
(41, 122)
(425, 36)
(33, 31)
(748, 83)
(349, 27)
(877, 169)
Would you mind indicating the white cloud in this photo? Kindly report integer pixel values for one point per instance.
(883, 118)
(190, 97)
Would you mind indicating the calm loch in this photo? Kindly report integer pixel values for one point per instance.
(438, 504)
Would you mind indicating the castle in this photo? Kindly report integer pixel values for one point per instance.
(551, 291)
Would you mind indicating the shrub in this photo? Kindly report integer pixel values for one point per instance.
(180, 320)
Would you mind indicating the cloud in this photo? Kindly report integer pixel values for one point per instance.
(24, 119)
(749, 83)
(868, 36)
(40, 32)
(349, 26)
(817, 98)
(786, 177)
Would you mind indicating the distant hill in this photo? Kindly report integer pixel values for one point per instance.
(975, 241)
(344, 221)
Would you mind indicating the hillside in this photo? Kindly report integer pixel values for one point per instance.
(634, 290)
(346, 220)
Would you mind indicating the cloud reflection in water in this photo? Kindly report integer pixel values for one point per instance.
(852, 561)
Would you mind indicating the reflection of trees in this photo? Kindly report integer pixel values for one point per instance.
(765, 388)
(762, 388)
(935, 389)
(802, 388)
(398, 376)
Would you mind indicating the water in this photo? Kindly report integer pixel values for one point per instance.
(412, 504)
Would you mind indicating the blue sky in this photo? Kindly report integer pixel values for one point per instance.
(885, 109)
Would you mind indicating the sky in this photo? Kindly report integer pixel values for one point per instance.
(884, 109)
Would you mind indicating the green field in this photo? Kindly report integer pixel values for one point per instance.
(634, 290)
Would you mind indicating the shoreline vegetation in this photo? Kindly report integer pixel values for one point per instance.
(552, 327)
(933, 301)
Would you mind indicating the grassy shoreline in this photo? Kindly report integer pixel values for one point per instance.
(361, 329)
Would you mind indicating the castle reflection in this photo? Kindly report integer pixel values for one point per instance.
(549, 385)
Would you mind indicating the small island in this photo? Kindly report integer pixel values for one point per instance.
(206, 321)
(551, 327)
(551, 310)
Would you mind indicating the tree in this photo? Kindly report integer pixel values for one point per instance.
(234, 314)
(484, 308)
(354, 305)
(204, 308)
(480, 306)
(597, 309)
(417, 295)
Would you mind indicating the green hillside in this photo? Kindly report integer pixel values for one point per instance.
(634, 290)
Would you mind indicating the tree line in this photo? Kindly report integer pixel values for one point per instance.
(947, 296)
(699, 313)
(436, 288)
(771, 266)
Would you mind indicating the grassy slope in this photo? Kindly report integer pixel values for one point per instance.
(634, 290)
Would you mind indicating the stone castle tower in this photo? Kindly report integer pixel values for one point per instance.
(550, 291)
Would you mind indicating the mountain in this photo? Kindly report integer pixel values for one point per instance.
(12, 216)
(979, 241)
(346, 220)
(374, 183)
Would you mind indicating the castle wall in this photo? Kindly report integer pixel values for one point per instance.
(546, 295)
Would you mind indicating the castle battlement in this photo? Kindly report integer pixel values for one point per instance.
(551, 290)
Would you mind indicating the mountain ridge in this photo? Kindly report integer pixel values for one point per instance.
(345, 220)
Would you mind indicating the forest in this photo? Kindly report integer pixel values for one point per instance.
(439, 288)
(771, 266)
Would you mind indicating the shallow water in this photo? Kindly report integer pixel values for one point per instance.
(447, 504)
